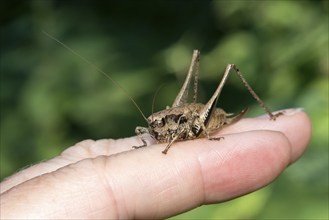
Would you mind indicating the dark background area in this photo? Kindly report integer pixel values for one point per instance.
(51, 99)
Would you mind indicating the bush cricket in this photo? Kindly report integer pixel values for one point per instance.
(185, 121)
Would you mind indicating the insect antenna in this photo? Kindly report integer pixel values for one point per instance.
(98, 69)
(154, 97)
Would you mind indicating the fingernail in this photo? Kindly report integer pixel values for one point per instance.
(287, 112)
(291, 111)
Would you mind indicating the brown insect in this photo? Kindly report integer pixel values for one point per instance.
(185, 121)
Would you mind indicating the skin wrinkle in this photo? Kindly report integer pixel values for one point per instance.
(190, 164)
(291, 157)
(119, 191)
(199, 171)
(106, 183)
(135, 178)
(213, 152)
(221, 155)
(103, 147)
(87, 150)
(161, 194)
(110, 147)
(166, 187)
(114, 193)
(170, 186)
(166, 190)
(177, 186)
(210, 168)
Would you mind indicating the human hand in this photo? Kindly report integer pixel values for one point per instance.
(109, 179)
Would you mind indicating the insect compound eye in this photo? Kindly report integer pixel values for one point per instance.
(157, 123)
(182, 119)
(161, 122)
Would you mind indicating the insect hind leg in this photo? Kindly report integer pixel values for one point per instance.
(253, 93)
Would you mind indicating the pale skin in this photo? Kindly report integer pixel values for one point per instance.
(108, 179)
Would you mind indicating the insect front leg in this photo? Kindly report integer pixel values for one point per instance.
(140, 131)
(180, 130)
(176, 131)
(169, 144)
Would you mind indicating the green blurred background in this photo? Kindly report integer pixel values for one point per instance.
(50, 99)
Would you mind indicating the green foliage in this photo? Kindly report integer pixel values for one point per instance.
(50, 99)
